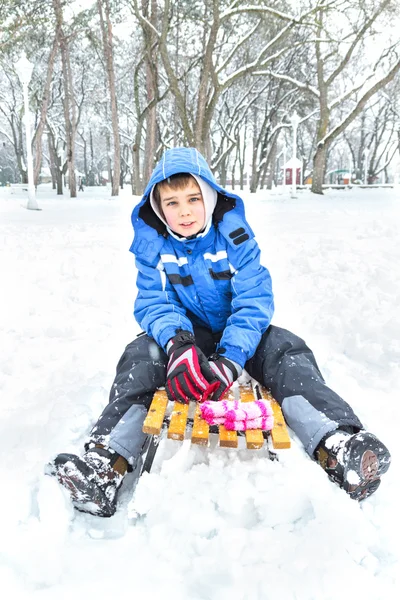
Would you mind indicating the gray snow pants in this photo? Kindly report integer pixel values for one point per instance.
(282, 363)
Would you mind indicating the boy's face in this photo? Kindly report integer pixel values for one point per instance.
(183, 209)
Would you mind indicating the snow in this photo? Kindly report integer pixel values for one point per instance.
(206, 523)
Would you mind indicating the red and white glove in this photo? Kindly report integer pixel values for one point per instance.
(226, 371)
(189, 375)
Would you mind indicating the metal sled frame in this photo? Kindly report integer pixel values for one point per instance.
(180, 425)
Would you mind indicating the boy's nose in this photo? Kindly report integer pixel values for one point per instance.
(185, 210)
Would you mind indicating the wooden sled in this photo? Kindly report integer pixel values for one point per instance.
(181, 426)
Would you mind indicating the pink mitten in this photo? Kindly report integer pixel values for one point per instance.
(210, 411)
(264, 423)
(238, 416)
(249, 410)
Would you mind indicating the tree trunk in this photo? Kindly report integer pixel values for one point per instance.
(149, 9)
(56, 162)
(16, 128)
(176, 60)
(59, 181)
(242, 158)
(43, 112)
(150, 145)
(73, 127)
(319, 164)
(254, 155)
(69, 99)
(206, 85)
(108, 153)
(91, 177)
(85, 162)
(234, 167)
(137, 188)
(52, 161)
(269, 170)
(106, 30)
(170, 71)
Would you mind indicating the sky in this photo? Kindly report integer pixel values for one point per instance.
(206, 523)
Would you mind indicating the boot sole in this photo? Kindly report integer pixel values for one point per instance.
(367, 459)
(76, 477)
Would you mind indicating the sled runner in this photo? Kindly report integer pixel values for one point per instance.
(185, 421)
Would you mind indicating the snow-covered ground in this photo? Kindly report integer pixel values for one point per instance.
(206, 524)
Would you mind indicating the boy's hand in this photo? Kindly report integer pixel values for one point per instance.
(226, 371)
(189, 376)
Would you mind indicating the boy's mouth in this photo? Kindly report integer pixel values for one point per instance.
(187, 224)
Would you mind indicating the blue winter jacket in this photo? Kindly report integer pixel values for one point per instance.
(215, 281)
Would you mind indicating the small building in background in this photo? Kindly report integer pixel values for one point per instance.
(339, 177)
(294, 164)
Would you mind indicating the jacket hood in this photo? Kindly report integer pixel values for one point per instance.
(180, 160)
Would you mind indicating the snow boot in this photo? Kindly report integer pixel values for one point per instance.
(354, 461)
(93, 480)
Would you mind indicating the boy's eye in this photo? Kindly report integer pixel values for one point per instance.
(194, 199)
(171, 203)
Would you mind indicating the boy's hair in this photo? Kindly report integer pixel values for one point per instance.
(178, 181)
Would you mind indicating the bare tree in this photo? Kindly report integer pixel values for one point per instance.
(57, 168)
(106, 31)
(373, 140)
(335, 54)
(149, 10)
(37, 138)
(11, 111)
(217, 65)
(69, 97)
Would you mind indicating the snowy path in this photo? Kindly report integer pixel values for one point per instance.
(207, 524)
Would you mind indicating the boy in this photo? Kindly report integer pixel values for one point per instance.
(205, 304)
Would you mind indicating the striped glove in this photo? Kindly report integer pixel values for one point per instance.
(189, 376)
(226, 372)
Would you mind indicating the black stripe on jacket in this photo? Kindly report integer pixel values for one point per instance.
(220, 275)
(176, 279)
